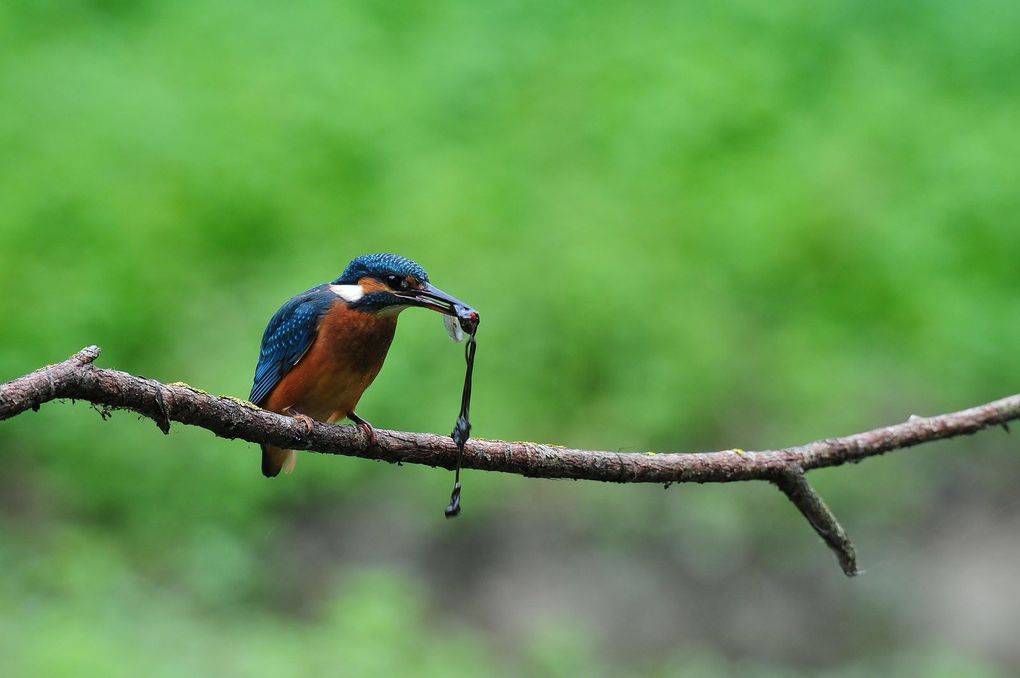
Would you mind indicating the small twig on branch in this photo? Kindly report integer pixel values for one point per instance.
(78, 379)
(796, 488)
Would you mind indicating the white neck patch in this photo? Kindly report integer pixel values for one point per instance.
(349, 293)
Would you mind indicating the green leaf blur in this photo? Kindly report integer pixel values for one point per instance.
(686, 226)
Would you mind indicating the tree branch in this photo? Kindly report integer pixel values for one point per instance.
(796, 488)
(78, 379)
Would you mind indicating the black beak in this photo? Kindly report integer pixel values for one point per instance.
(437, 300)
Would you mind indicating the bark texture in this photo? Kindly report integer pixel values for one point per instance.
(78, 379)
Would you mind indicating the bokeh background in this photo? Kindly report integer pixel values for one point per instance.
(687, 226)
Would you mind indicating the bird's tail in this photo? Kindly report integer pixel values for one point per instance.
(275, 459)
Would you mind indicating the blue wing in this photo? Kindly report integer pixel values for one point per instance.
(289, 334)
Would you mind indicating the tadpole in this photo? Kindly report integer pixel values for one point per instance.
(468, 319)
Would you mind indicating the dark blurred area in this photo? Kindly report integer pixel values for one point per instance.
(687, 226)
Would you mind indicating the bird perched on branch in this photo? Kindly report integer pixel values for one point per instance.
(324, 347)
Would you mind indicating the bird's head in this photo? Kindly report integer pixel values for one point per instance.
(381, 283)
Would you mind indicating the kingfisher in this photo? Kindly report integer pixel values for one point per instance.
(324, 347)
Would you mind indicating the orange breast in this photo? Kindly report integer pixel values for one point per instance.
(341, 363)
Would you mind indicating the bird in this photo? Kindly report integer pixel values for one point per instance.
(324, 347)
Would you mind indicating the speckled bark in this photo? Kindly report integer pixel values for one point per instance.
(77, 379)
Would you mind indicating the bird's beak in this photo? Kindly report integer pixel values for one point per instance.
(435, 299)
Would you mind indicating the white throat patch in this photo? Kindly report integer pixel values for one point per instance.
(349, 293)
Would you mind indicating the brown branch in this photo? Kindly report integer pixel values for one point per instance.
(77, 379)
(796, 488)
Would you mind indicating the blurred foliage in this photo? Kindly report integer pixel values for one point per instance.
(686, 226)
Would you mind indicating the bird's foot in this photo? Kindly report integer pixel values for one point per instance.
(365, 427)
(307, 421)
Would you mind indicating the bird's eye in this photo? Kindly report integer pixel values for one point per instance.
(396, 282)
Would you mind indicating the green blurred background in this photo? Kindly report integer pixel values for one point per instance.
(686, 225)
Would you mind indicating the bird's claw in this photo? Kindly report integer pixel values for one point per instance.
(305, 420)
(365, 427)
(308, 422)
(369, 432)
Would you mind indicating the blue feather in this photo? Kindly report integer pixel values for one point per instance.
(289, 334)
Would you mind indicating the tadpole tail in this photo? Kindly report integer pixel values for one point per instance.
(462, 430)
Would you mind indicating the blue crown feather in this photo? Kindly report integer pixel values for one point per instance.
(377, 265)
